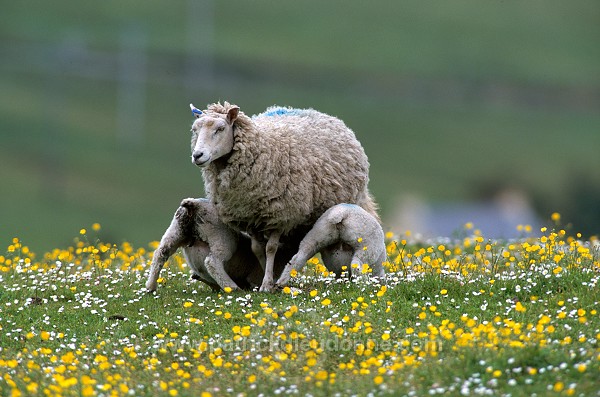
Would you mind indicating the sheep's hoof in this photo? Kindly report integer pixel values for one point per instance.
(280, 286)
(151, 287)
(267, 287)
(283, 281)
(231, 289)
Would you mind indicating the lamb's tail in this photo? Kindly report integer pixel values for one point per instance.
(368, 204)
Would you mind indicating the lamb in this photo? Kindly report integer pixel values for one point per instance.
(210, 244)
(273, 175)
(345, 235)
(216, 254)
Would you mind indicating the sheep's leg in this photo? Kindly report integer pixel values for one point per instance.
(170, 241)
(320, 236)
(376, 262)
(362, 256)
(216, 269)
(258, 249)
(271, 250)
(358, 259)
(378, 269)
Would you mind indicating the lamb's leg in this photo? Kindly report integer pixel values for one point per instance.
(320, 236)
(258, 249)
(216, 268)
(375, 261)
(271, 250)
(170, 241)
(378, 270)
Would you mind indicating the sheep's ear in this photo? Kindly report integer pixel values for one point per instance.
(195, 111)
(232, 114)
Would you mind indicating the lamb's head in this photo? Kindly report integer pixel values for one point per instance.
(212, 136)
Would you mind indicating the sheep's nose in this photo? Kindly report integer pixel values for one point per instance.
(196, 156)
(200, 158)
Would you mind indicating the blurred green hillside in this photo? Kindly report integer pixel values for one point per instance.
(450, 100)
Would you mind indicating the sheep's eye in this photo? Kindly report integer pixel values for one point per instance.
(220, 129)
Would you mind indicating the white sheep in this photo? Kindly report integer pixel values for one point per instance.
(216, 254)
(346, 235)
(275, 174)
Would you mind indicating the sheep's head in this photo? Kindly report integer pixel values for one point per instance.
(212, 136)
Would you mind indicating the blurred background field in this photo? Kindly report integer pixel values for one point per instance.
(466, 109)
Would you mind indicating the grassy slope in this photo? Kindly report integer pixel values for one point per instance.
(466, 320)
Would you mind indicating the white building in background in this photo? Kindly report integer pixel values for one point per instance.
(499, 217)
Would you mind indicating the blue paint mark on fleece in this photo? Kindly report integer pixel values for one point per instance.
(281, 111)
(349, 205)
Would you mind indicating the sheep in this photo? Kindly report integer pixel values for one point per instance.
(216, 254)
(345, 235)
(273, 175)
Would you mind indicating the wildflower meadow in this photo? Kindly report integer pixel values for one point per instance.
(463, 315)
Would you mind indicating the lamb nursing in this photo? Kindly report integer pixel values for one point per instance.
(273, 175)
(346, 236)
(223, 259)
(215, 254)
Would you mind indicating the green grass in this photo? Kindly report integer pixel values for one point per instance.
(453, 317)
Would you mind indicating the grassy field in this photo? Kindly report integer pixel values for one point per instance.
(463, 316)
(443, 98)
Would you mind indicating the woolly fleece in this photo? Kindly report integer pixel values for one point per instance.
(285, 170)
